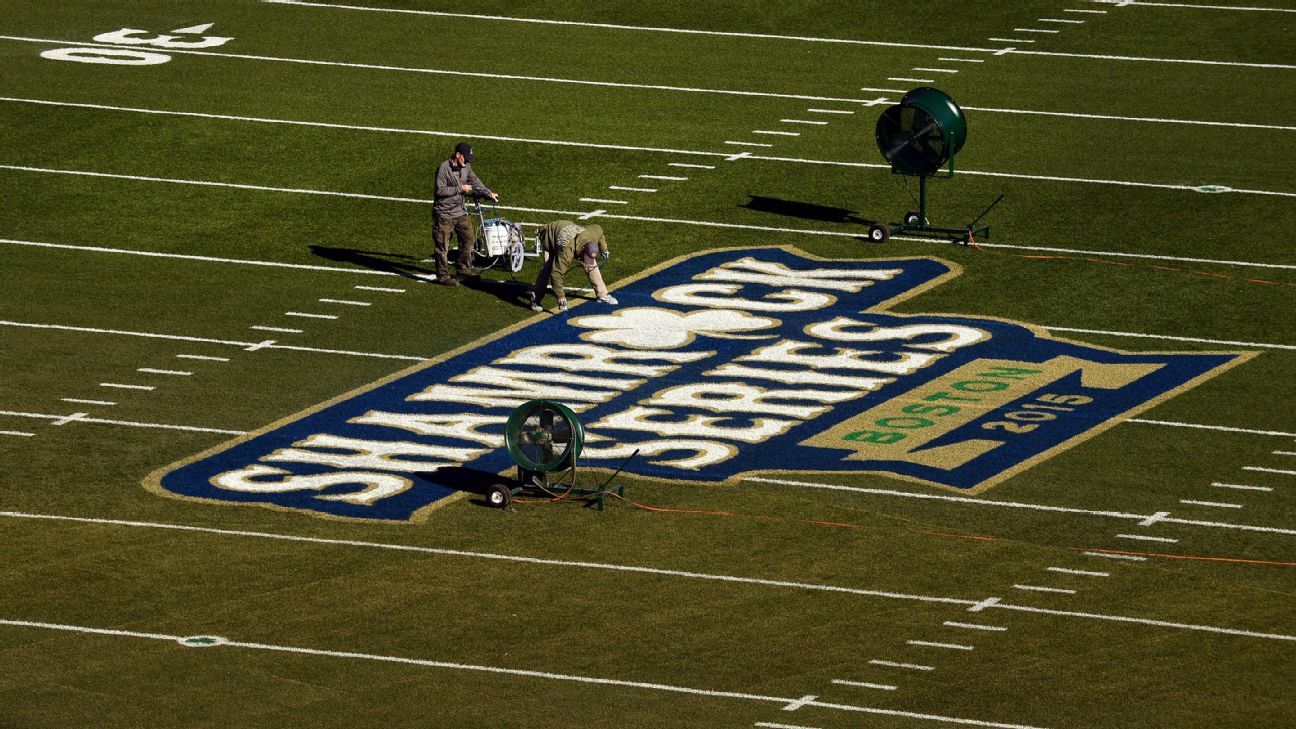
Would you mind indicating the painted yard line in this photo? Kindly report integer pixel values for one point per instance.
(962, 60)
(281, 330)
(885, 91)
(747, 144)
(1145, 621)
(1020, 176)
(310, 316)
(912, 80)
(975, 626)
(1129, 557)
(909, 666)
(244, 345)
(1145, 538)
(1284, 453)
(639, 28)
(768, 725)
(1141, 518)
(776, 133)
(864, 684)
(1213, 504)
(1261, 469)
(1034, 30)
(1240, 487)
(152, 371)
(604, 201)
(804, 121)
(1195, 340)
(384, 289)
(935, 70)
(1010, 40)
(1145, 59)
(1140, 3)
(129, 423)
(632, 189)
(449, 72)
(813, 587)
(1059, 20)
(830, 111)
(18, 433)
(346, 302)
(688, 164)
(1222, 428)
(80, 401)
(203, 357)
(671, 178)
(1086, 573)
(120, 386)
(1037, 588)
(365, 128)
(930, 644)
(1115, 117)
(1094, 12)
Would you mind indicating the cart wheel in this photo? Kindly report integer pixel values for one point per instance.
(516, 253)
(499, 496)
(879, 233)
(913, 218)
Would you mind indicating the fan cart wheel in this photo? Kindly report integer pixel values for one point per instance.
(516, 251)
(878, 233)
(499, 496)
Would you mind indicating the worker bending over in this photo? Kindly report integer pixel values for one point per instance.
(562, 243)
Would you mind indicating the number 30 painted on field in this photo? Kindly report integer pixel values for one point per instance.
(131, 36)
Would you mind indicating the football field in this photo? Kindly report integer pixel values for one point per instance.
(1042, 478)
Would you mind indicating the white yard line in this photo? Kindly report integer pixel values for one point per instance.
(384, 289)
(346, 302)
(1194, 6)
(1262, 469)
(1149, 59)
(281, 330)
(1013, 505)
(18, 433)
(233, 343)
(669, 178)
(864, 684)
(907, 666)
(1037, 588)
(1167, 337)
(120, 386)
(1145, 119)
(912, 80)
(1221, 428)
(1086, 573)
(153, 371)
(1130, 557)
(1146, 538)
(604, 201)
(775, 133)
(1240, 487)
(128, 423)
(813, 587)
(305, 315)
(932, 644)
(632, 189)
(81, 401)
(975, 626)
(935, 70)
(1034, 30)
(1010, 40)
(690, 165)
(962, 60)
(1212, 504)
(804, 121)
(204, 357)
(637, 28)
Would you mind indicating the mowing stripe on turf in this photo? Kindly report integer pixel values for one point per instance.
(971, 605)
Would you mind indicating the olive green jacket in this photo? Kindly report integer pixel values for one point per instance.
(562, 256)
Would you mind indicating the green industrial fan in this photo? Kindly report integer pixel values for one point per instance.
(918, 137)
(544, 438)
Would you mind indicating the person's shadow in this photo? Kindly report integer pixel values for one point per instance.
(398, 263)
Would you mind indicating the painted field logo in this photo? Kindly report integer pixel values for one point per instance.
(716, 365)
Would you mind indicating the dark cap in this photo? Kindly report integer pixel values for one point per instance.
(465, 149)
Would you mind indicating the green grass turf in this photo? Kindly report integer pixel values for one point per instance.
(767, 639)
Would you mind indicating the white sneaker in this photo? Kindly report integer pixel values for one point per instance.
(609, 299)
(537, 308)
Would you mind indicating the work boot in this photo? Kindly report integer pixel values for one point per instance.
(448, 281)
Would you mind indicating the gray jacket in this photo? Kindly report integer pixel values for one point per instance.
(449, 198)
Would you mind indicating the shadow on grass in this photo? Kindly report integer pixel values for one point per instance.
(398, 263)
(804, 210)
(468, 480)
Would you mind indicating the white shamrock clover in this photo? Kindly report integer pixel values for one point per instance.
(653, 328)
